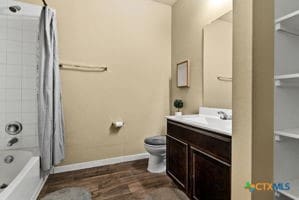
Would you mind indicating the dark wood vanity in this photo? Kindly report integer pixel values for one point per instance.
(199, 161)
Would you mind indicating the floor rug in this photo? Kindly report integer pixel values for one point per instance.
(166, 194)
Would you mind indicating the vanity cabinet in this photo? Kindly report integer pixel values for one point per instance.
(177, 161)
(199, 161)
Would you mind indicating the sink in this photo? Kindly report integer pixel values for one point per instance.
(208, 122)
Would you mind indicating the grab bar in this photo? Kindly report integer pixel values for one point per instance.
(79, 67)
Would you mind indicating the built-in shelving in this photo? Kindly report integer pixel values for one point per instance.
(288, 79)
(293, 193)
(288, 23)
(291, 133)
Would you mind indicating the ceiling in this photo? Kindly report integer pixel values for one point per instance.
(168, 2)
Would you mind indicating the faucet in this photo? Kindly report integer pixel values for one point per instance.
(12, 141)
(224, 116)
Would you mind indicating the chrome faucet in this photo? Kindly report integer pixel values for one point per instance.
(224, 115)
(12, 141)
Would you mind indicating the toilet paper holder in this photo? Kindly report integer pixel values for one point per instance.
(118, 124)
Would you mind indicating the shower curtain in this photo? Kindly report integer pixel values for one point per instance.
(50, 115)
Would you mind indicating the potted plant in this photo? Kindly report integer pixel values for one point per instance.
(178, 104)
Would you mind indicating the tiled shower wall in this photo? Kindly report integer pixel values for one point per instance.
(18, 72)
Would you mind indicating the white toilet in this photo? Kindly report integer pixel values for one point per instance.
(156, 147)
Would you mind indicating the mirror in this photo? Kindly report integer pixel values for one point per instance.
(217, 65)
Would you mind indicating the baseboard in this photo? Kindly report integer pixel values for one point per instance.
(99, 163)
(39, 187)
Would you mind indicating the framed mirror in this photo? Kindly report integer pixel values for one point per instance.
(183, 74)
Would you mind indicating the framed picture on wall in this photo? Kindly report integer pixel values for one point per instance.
(183, 73)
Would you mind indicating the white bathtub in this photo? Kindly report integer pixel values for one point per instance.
(22, 176)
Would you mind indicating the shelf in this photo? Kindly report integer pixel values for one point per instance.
(293, 193)
(288, 23)
(287, 79)
(291, 133)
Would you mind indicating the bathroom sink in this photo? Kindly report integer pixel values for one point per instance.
(208, 122)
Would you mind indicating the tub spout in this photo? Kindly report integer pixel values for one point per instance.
(12, 141)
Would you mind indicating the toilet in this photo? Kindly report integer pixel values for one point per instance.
(156, 147)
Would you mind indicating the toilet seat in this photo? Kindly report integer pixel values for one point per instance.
(159, 140)
(155, 146)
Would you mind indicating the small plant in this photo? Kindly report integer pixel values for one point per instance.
(178, 104)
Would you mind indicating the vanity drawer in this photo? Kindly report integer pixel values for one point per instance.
(211, 143)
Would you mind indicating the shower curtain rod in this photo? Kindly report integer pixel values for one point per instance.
(45, 3)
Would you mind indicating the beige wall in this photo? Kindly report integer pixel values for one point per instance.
(188, 20)
(253, 72)
(217, 51)
(131, 37)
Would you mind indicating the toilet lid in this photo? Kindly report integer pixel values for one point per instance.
(156, 140)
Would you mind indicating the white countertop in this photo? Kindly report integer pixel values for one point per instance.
(206, 122)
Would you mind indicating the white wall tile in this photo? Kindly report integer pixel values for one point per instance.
(18, 46)
(10, 117)
(2, 95)
(3, 33)
(29, 106)
(29, 83)
(2, 106)
(14, 58)
(14, 34)
(3, 45)
(2, 145)
(2, 57)
(29, 47)
(2, 133)
(3, 20)
(3, 3)
(29, 94)
(30, 24)
(14, 46)
(29, 141)
(14, 23)
(2, 82)
(29, 72)
(29, 118)
(29, 36)
(29, 129)
(29, 59)
(2, 69)
(13, 83)
(14, 70)
(13, 94)
(2, 119)
(13, 106)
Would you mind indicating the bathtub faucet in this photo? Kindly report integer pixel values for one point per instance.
(12, 141)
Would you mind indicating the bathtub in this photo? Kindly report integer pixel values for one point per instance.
(22, 175)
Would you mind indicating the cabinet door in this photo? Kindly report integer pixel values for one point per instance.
(210, 177)
(177, 161)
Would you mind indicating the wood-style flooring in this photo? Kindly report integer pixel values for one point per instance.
(128, 180)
